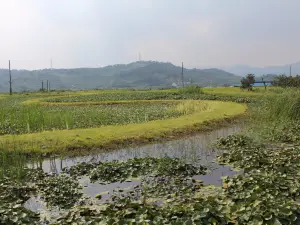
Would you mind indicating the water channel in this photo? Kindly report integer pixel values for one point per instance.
(195, 148)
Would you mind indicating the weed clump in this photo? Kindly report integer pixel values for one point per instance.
(191, 106)
(233, 141)
(192, 89)
(120, 171)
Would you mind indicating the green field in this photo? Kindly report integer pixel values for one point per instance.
(62, 124)
(182, 117)
(36, 118)
(236, 91)
(104, 119)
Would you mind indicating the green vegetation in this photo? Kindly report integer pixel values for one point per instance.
(277, 117)
(108, 137)
(36, 118)
(248, 81)
(64, 121)
(190, 92)
(134, 168)
(286, 81)
(192, 89)
(270, 181)
(236, 92)
(118, 96)
(264, 194)
(161, 179)
(160, 191)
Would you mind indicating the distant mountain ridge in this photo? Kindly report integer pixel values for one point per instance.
(141, 74)
(242, 70)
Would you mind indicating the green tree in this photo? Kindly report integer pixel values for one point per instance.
(247, 82)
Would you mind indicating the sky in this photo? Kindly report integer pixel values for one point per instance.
(200, 33)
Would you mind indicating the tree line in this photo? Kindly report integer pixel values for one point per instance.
(286, 81)
(279, 81)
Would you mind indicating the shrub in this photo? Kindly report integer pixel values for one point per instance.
(192, 89)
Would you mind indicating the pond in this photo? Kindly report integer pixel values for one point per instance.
(192, 149)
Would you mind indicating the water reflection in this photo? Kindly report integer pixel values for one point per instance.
(193, 149)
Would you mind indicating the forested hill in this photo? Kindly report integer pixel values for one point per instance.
(143, 74)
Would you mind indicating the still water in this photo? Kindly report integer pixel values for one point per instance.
(195, 148)
(192, 149)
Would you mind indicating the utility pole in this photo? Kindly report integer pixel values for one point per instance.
(182, 76)
(48, 82)
(42, 85)
(290, 70)
(10, 88)
(264, 82)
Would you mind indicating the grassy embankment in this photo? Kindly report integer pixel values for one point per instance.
(108, 137)
(63, 121)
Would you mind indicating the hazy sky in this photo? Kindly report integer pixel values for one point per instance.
(201, 33)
